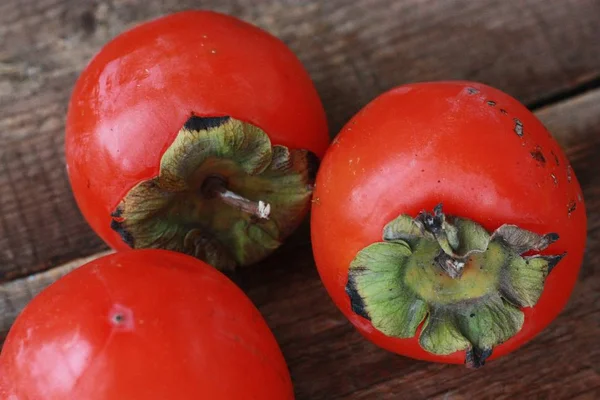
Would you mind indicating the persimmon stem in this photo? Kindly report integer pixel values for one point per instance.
(215, 186)
(259, 209)
(451, 266)
(441, 230)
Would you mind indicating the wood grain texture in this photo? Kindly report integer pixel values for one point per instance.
(15, 295)
(328, 359)
(353, 50)
(532, 49)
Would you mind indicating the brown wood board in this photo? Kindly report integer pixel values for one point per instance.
(538, 51)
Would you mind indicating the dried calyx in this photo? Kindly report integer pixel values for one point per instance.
(223, 194)
(464, 285)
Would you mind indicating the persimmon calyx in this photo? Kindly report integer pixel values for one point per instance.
(464, 285)
(223, 194)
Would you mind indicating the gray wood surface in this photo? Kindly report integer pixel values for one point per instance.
(545, 53)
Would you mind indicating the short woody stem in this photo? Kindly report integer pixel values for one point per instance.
(451, 266)
(259, 209)
(215, 186)
(437, 226)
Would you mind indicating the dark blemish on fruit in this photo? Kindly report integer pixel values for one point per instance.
(555, 157)
(196, 123)
(554, 179)
(126, 237)
(422, 170)
(439, 181)
(553, 260)
(572, 206)
(569, 171)
(356, 301)
(537, 155)
(121, 318)
(518, 127)
(117, 213)
(503, 111)
(89, 184)
(491, 103)
(472, 90)
(475, 358)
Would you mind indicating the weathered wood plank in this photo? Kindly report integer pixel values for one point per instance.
(576, 126)
(328, 359)
(16, 294)
(353, 49)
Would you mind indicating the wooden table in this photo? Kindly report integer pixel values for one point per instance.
(544, 52)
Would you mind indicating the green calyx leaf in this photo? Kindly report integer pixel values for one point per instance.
(407, 280)
(473, 325)
(223, 195)
(393, 310)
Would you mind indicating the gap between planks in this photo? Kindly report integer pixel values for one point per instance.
(15, 295)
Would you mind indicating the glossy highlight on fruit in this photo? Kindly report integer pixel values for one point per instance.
(186, 100)
(447, 223)
(142, 324)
